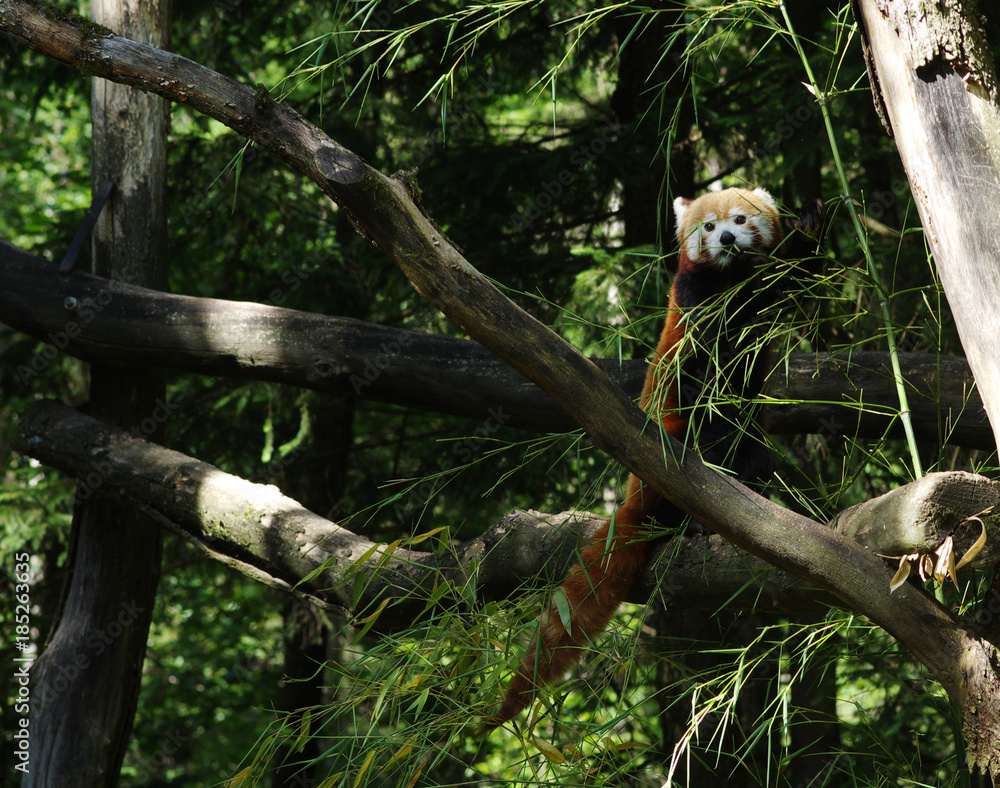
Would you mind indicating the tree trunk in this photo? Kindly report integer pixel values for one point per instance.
(935, 85)
(87, 679)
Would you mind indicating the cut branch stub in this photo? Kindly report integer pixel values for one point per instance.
(918, 517)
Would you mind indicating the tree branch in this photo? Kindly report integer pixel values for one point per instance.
(385, 212)
(116, 323)
(255, 530)
(920, 516)
(253, 526)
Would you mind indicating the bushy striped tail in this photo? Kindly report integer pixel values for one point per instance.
(594, 589)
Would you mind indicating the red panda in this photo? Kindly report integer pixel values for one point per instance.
(723, 238)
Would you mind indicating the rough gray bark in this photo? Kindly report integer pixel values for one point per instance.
(116, 323)
(256, 530)
(82, 712)
(934, 77)
(936, 82)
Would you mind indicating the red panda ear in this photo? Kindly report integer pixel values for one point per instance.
(680, 207)
(767, 198)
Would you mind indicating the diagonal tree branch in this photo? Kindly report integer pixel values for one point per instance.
(385, 212)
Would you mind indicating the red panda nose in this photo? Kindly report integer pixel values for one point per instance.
(727, 238)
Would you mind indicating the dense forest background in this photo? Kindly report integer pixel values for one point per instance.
(549, 140)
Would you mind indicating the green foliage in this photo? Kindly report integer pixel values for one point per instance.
(207, 673)
(549, 140)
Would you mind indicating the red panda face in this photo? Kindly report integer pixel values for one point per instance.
(718, 225)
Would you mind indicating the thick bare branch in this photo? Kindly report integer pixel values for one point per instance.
(386, 213)
(256, 530)
(919, 517)
(120, 324)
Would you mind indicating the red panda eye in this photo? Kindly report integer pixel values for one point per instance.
(741, 220)
(709, 226)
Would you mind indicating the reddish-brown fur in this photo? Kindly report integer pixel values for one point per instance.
(599, 583)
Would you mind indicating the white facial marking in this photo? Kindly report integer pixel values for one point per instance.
(743, 228)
